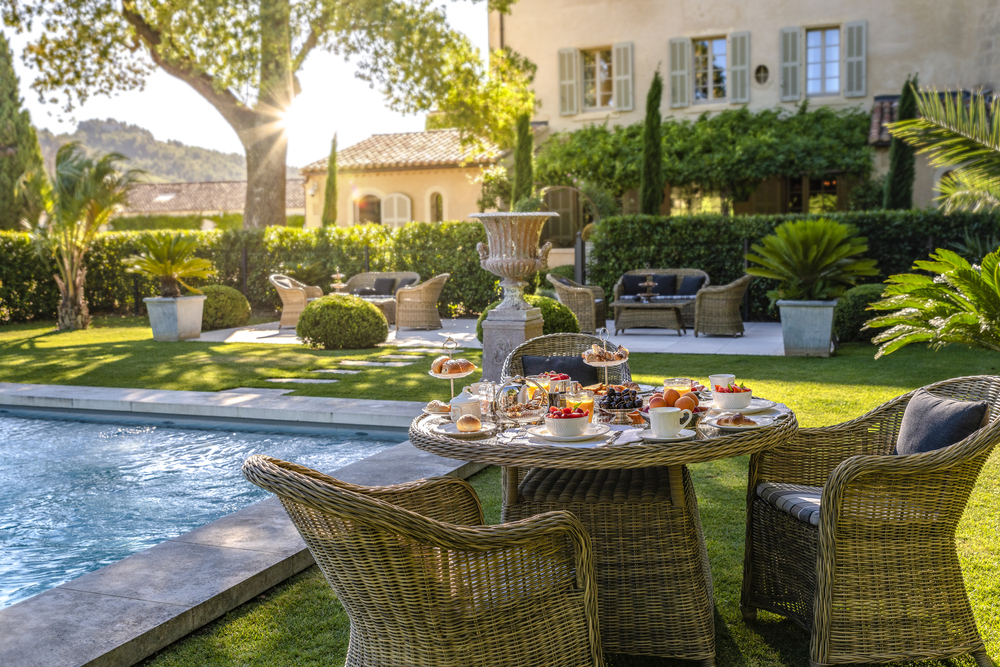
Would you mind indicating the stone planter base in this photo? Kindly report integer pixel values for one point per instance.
(175, 319)
(807, 327)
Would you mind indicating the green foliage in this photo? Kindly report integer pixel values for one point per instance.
(812, 260)
(342, 322)
(224, 308)
(496, 189)
(899, 180)
(18, 139)
(524, 179)
(868, 195)
(651, 178)
(566, 271)
(330, 194)
(528, 205)
(975, 245)
(170, 259)
(959, 303)
(851, 313)
(307, 274)
(557, 317)
(603, 201)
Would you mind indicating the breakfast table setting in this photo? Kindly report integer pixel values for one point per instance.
(616, 456)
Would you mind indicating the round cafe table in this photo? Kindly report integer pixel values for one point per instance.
(638, 504)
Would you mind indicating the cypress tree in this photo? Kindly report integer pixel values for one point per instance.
(651, 183)
(330, 195)
(19, 150)
(524, 176)
(899, 180)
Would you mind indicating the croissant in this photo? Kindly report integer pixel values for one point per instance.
(739, 419)
(458, 366)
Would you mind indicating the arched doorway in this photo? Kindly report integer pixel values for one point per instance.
(368, 209)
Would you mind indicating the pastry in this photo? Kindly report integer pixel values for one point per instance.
(468, 424)
(597, 354)
(739, 419)
(457, 366)
(437, 406)
(438, 364)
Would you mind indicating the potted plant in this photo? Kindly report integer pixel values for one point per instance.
(814, 262)
(170, 258)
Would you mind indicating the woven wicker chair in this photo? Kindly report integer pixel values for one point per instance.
(294, 297)
(560, 345)
(717, 308)
(416, 305)
(425, 583)
(662, 318)
(878, 579)
(586, 302)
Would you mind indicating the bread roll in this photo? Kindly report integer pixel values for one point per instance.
(458, 366)
(468, 423)
(438, 364)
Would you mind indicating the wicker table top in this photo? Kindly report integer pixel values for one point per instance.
(710, 444)
(664, 303)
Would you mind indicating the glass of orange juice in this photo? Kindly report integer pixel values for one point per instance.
(680, 385)
(583, 400)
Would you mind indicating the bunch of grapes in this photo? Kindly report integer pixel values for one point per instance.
(621, 399)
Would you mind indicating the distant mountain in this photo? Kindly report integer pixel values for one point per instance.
(163, 161)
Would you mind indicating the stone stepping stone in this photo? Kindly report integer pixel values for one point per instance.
(254, 390)
(365, 362)
(401, 356)
(426, 350)
(301, 380)
(339, 371)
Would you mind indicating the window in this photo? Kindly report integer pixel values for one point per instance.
(368, 209)
(396, 210)
(822, 194)
(823, 61)
(598, 80)
(709, 69)
(437, 207)
(760, 74)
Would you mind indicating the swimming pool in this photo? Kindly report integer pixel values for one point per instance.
(75, 496)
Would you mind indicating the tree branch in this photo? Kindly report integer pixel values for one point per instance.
(311, 41)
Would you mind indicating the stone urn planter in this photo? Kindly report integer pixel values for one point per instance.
(175, 318)
(512, 253)
(807, 327)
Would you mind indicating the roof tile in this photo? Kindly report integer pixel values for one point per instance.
(431, 148)
(152, 198)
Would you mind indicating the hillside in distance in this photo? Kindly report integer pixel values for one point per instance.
(163, 161)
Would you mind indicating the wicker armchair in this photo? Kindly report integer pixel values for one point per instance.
(416, 305)
(425, 583)
(687, 312)
(878, 579)
(717, 308)
(586, 302)
(560, 345)
(294, 297)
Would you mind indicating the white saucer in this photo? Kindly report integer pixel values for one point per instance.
(450, 429)
(761, 422)
(446, 415)
(592, 431)
(756, 405)
(647, 436)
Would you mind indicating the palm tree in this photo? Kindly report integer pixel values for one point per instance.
(66, 210)
(170, 257)
(965, 137)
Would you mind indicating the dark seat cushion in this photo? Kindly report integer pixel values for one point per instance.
(931, 422)
(631, 285)
(563, 281)
(690, 285)
(404, 282)
(383, 286)
(571, 366)
(666, 284)
(364, 291)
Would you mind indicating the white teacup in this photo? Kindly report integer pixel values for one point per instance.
(668, 422)
(721, 381)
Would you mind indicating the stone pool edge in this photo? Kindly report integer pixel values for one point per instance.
(122, 613)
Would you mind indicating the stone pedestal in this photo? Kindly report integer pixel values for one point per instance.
(503, 330)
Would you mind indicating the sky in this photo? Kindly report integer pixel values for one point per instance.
(332, 100)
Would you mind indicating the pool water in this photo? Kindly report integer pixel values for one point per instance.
(75, 496)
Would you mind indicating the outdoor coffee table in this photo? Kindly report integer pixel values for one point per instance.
(638, 504)
(657, 313)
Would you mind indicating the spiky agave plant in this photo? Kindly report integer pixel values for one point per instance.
(170, 257)
(959, 304)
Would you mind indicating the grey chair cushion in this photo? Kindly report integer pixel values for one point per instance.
(931, 422)
(571, 366)
(562, 281)
(801, 502)
(383, 286)
(690, 285)
(405, 282)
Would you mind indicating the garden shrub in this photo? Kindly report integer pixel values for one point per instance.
(564, 271)
(224, 308)
(558, 318)
(342, 322)
(849, 316)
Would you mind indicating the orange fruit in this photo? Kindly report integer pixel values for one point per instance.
(656, 401)
(671, 396)
(686, 402)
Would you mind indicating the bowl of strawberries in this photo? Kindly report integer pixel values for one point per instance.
(567, 421)
(731, 397)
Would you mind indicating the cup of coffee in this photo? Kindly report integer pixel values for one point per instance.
(668, 422)
(723, 380)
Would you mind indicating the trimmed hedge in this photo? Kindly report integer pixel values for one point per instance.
(135, 223)
(224, 308)
(558, 318)
(342, 322)
(850, 315)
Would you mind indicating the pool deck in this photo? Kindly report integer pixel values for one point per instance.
(120, 614)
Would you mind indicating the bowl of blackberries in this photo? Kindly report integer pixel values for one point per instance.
(620, 402)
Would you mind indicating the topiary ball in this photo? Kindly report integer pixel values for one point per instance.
(557, 317)
(342, 322)
(225, 308)
(850, 315)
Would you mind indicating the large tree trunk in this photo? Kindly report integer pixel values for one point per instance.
(73, 313)
(265, 202)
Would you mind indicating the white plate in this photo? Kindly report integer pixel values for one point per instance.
(593, 431)
(685, 434)
(756, 405)
(450, 429)
(451, 376)
(446, 415)
(761, 422)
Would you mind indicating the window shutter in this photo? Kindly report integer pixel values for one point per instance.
(680, 66)
(389, 209)
(791, 67)
(396, 210)
(569, 60)
(855, 56)
(621, 64)
(739, 67)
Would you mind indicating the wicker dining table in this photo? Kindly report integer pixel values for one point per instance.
(638, 503)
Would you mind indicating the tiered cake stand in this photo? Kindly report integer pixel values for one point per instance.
(450, 346)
